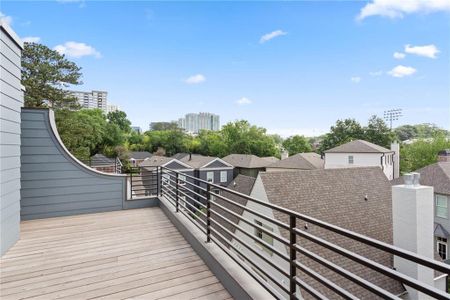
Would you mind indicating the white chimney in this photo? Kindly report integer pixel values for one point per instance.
(284, 154)
(413, 215)
(395, 146)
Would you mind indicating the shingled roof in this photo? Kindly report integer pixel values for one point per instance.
(155, 161)
(99, 160)
(197, 161)
(358, 146)
(139, 154)
(247, 161)
(338, 196)
(436, 175)
(302, 161)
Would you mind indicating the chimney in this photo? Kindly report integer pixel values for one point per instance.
(413, 224)
(190, 156)
(444, 155)
(284, 154)
(396, 148)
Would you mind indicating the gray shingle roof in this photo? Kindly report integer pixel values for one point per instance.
(197, 161)
(358, 146)
(337, 196)
(155, 161)
(436, 175)
(139, 154)
(247, 161)
(101, 160)
(302, 161)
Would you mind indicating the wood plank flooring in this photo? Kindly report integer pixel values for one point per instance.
(135, 254)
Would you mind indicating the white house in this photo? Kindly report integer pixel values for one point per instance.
(360, 153)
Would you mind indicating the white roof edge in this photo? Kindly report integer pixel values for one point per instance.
(178, 162)
(216, 159)
(11, 33)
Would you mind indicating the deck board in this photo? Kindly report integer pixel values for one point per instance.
(114, 255)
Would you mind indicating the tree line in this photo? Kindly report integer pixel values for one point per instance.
(46, 74)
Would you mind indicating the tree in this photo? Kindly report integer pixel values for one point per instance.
(378, 132)
(160, 126)
(120, 119)
(211, 143)
(44, 73)
(406, 132)
(341, 133)
(297, 144)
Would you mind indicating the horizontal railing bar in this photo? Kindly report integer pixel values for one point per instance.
(272, 220)
(141, 190)
(189, 217)
(246, 268)
(429, 290)
(192, 191)
(251, 261)
(326, 282)
(309, 289)
(347, 274)
(188, 182)
(268, 232)
(192, 198)
(195, 208)
(256, 239)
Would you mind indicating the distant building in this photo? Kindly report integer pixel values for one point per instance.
(193, 122)
(92, 99)
(112, 108)
(136, 129)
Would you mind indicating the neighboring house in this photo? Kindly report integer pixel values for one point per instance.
(137, 157)
(105, 164)
(358, 199)
(437, 175)
(146, 183)
(248, 164)
(299, 161)
(360, 153)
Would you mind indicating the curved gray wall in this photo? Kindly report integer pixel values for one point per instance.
(11, 100)
(54, 183)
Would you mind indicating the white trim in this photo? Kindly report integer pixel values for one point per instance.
(216, 159)
(216, 169)
(8, 30)
(179, 162)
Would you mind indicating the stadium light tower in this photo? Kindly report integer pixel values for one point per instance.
(392, 115)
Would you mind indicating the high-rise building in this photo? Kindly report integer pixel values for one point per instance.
(193, 122)
(92, 99)
(112, 108)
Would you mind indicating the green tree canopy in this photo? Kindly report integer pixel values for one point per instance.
(296, 144)
(378, 132)
(120, 119)
(44, 74)
(341, 133)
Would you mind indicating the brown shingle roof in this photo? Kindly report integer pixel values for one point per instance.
(436, 175)
(303, 161)
(247, 161)
(337, 196)
(358, 146)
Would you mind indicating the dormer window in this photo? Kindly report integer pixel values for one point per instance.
(350, 159)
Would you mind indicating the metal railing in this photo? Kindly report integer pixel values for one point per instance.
(213, 213)
(144, 182)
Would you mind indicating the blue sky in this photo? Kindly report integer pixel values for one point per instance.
(291, 67)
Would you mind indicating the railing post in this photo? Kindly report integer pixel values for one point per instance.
(208, 213)
(176, 193)
(131, 184)
(292, 258)
(160, 179)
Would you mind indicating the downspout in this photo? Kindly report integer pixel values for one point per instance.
(381, 161)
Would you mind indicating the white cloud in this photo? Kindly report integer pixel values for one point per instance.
(195, 79)
(77, 50)
(31, 39)
(398, 8)
(355, 79)
(376, 73)
(243, 101)
(268, 36)
(402, 71)
(427, 50)
(399, 55)
(6, 19)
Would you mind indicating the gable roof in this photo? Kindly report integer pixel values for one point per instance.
(248, 161)
(358, 146)
(271, 159)
(101, 160)
(302, 161)
(158, 161)
(197, 161)
(436, 175)
(180, 155)
(337, 196)
(139, 154)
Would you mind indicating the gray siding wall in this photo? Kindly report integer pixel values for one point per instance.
(54, 183)
(203, 172)
(11, 101)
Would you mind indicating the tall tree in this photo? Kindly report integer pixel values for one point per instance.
(297, 144)
(378, 132)
(44, 74)
(120, 119)
(341, 133)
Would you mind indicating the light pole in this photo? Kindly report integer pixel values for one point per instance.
(392, 115)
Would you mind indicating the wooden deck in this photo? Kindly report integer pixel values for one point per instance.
(135, 254)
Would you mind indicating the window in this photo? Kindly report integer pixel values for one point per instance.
(350, 159)
(223, 176)
(182, 179)
(165, 179)
(441, 206)
(442, 247)
(215, 191)
(210, 176)
(264, 236)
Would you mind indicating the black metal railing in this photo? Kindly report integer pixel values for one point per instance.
(216, 212)
(143, 182)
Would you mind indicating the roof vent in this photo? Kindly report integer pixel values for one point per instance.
(412, 179)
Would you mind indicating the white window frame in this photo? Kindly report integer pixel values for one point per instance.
(182, 179)
(442, 242)
(223, 176)
(351, 159)
(165, 179)
(214, 192)
(210, 176)
(263, 236)
(441, 209)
